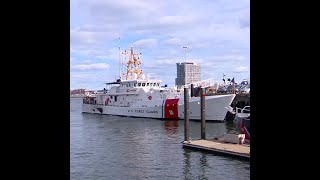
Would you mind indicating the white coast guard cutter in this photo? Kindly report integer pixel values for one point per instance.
(142, 96)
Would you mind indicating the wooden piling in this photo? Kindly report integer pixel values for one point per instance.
(186, 114)
(191, 91)
(203, 113)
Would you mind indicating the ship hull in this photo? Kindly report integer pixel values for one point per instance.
(170, 109)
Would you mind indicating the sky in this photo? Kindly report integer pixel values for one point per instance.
(216, 32)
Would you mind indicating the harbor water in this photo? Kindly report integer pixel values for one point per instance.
(112, 147)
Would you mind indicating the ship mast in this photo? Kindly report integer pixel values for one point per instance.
(133, 66)
(123, 62)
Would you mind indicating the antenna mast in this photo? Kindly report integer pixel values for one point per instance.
(185, 54)
(119, 60)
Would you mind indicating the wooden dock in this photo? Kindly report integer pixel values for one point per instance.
(242, 151)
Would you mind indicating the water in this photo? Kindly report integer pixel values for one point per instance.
(112, 147)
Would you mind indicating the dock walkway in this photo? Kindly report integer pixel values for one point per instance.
(220, 147)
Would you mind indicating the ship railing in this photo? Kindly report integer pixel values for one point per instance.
(243, 110)
(203, 83)
(121, 91)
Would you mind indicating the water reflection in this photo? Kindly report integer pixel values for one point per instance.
(186, 164)
(204, 166)
(230, 126)
(171, 127)
(199, 162)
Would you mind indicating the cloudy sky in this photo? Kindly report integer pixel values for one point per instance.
(217, 33)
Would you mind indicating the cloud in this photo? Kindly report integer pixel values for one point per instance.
(145, 43)
(242, 69)
(102, 57)
(130, 7)
(245, 20)
(170, 62)
(81, 76)
(173, 41)
(87, 62)
(82, 37)
(229, 58)
(168, 22)
(97, 53)
(91, 35)
(95, 28)
(85, 67)
(121, 11)
(217, 32)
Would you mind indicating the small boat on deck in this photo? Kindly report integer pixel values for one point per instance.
(242, 122)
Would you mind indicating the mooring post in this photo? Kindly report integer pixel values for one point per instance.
(186, 114)
(203, 113)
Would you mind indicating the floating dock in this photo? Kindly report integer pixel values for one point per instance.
(242, 151)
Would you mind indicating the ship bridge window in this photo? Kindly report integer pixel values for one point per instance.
(139, 84)
(154, 84)
(157, 84)
(143, 84)
(147, 84)
(135, 84)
